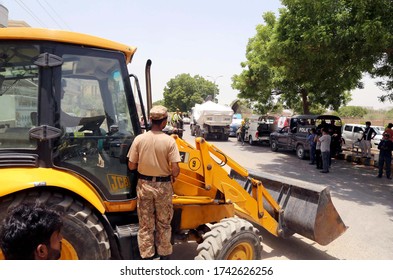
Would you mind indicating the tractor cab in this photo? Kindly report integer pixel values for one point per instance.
(66, 107)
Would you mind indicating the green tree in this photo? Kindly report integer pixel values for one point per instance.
(184, 92)
(352, 111)
(255, 83)
(314, 53)
(383, 66)
(159, 102)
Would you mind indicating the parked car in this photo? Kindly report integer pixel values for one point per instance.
(294, 136)
(234, 126)
(169, 129)
(186, 120)
(259, 129)
(352, 133)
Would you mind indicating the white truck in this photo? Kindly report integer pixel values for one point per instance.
(211, 121)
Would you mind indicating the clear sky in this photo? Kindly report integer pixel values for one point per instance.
(206, 38)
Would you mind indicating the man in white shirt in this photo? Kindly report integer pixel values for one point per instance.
(325, 141)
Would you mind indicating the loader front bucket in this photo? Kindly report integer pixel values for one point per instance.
(307, 209)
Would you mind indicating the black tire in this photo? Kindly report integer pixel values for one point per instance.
(230, 239)
(250, 141)
(84, 236)
(301, 154)
(274, 146)
(197, 132)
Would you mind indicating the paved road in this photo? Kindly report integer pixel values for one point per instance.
(364, 202)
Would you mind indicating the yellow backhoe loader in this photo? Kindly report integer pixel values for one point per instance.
(68, 116)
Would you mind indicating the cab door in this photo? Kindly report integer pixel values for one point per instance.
(94, 115)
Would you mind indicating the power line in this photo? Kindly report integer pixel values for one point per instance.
(27, 9)
(53, 10)
(46, 11)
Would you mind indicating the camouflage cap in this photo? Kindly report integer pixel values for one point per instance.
(158, 112)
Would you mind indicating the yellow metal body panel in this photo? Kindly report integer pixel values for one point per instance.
(196, 215)
(17, 179)
(120, 206)
(202, 176)
(40, 34)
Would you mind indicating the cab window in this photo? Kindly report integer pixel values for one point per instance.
(19, 79)
(95, 120)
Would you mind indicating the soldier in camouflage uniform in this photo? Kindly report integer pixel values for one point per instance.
(155, 155)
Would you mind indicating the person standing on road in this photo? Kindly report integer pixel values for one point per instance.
(177, 119)
(31, 232)
(325, 140)
(368, 134)
(243, 128)
(389, 130)
(318, 154)
(155, 156)
(311, 140)
(385, 155)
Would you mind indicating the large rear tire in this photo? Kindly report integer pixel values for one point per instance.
(230, 239)
(301, 154)
(274, 145)
(84, 236)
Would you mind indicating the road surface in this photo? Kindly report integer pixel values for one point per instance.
(364, 202)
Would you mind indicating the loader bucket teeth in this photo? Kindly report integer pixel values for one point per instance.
(307, 209)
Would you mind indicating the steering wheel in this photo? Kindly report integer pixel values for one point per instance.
(91, 123)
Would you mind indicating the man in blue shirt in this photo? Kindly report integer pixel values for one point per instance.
(385, 155)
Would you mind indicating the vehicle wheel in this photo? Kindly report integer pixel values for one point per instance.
(84, 236)
(230, 239)
(300, 152)
(274, 146)
(197, 132)
(250, 141)
(192, 130)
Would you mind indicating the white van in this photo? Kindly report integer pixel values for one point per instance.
(352, 133)
(259, 129)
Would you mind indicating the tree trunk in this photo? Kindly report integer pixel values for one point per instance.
(306, 107)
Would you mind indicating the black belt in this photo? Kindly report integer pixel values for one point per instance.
(155, 178)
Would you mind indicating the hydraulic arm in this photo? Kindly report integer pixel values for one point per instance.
(211, 177)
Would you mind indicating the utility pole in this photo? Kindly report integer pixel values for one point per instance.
(215, 85)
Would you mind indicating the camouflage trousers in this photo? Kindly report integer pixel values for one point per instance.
(155, 212)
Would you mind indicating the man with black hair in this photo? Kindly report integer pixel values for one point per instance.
(368, 134)
(31, 232)
(155, 156)
(389, 131)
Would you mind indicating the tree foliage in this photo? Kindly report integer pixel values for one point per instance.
(184, 91)
(352, 112)
(316, 52)
(256, 82)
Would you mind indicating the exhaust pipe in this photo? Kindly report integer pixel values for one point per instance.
(149, 102)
